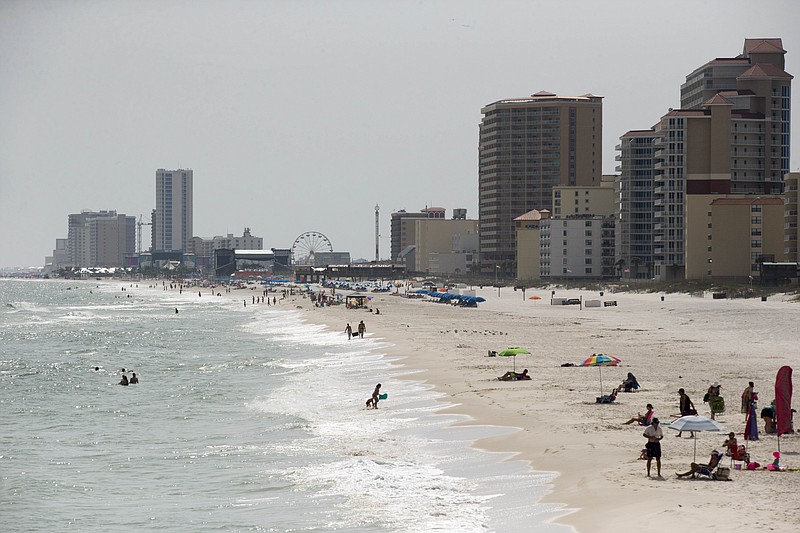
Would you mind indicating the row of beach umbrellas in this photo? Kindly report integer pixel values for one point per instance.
(447, 296)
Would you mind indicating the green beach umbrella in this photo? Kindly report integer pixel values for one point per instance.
(513, 352)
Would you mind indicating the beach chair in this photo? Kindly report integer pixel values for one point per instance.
(607, 398)
(717, 404)
(738, 454)
(710, 470)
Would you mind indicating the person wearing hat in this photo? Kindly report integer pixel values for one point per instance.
(653, 434)
(714, 405)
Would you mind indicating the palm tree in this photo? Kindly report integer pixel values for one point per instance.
(620, 264)
(635, 263)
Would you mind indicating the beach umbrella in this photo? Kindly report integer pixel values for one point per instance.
(695, 423)
(751, 424)
(601, 360)
(513, 352)
(783, 402)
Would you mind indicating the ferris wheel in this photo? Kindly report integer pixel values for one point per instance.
(307, 246)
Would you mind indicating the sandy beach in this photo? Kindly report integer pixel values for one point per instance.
(680, 341)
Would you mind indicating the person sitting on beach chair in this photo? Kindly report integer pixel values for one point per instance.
(703, 470)
(515, 376)
(735, 451)
(608, 398)
(629, 384)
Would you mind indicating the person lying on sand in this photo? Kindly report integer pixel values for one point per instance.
(515, 376)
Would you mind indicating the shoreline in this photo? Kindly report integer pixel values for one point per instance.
(560, 428)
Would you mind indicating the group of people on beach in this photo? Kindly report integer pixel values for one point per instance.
(362, 328)
(654, 433)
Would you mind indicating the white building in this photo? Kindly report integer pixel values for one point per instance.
(579, 246)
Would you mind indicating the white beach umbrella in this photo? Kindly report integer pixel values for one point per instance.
(695, 423)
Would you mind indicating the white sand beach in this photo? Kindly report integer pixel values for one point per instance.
(682, 341)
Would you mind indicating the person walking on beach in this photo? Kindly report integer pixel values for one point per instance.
(362, 328)
(687, 408)
(653, 434)
(373, 400)
(349, 330)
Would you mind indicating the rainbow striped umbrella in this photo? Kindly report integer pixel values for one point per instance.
(601, 360)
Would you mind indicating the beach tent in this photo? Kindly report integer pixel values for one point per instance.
(356, 300)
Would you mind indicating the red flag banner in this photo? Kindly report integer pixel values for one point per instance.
(783, 400)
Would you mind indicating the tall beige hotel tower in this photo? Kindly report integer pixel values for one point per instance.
(526, 147)
(173, 216)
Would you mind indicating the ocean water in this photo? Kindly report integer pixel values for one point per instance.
(245, 419)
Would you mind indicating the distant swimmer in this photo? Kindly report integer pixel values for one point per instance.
(373, 401)
(97, 369)
(123, 381)
(134, 380)
(176, 310)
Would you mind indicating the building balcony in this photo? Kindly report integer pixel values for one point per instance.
(741, 141)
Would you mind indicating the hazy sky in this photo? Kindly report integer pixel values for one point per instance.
(302, 115)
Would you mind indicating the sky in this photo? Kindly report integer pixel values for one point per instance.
(300, 116)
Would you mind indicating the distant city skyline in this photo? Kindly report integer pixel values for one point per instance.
(303, 116)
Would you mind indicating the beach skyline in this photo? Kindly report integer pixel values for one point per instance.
(303, 116)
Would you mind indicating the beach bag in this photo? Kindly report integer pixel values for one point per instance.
(723, 473)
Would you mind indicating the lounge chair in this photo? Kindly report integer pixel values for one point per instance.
(607, 398)
(717, 404)
(710, 470)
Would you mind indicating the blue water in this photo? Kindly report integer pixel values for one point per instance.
(245, 419)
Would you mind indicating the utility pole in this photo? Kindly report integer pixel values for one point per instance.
(377, 233)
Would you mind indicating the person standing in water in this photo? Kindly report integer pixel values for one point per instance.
(123, 381)
(134, 380)
(373, 400)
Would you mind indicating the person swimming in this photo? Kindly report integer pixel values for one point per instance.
(123, 381)
(134, 380)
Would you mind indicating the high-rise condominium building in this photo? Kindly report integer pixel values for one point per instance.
(634, 197)
(731, 137)
(791, 227)
(172, 225)
(100, 239)
(526, 147)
